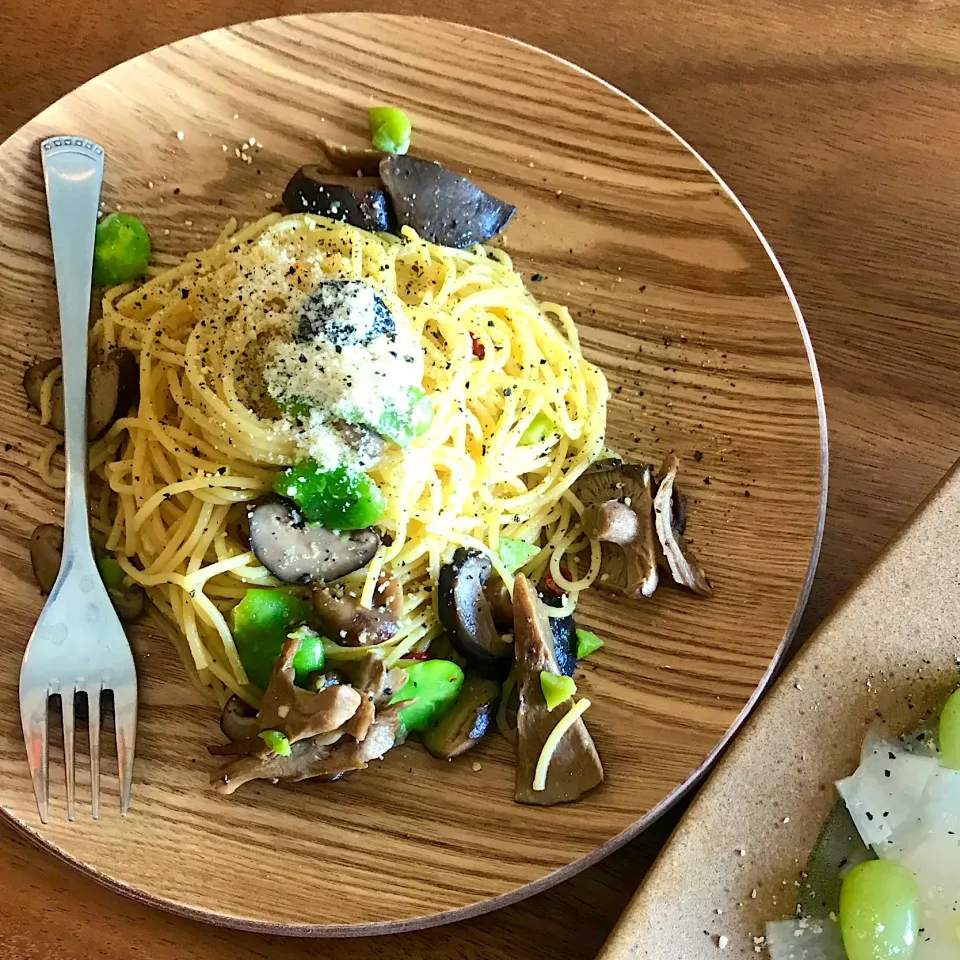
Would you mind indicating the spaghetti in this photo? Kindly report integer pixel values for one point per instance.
(170, 483)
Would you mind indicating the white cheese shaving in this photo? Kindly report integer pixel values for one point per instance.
(553, 741)
(886, 787)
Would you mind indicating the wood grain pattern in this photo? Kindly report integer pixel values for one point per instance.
(677, 300)
(791, 102)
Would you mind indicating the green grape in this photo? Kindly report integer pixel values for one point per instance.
(950, 732)
(878, 911)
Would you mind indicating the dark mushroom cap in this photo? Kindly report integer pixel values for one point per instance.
(440, 205)
(296, 552)
(359, 201)
(46, 552)
(618, 502)
(467, 721)
(465, 611)
(352, 625)
(564, 630)
(238, 720)
(329, 312)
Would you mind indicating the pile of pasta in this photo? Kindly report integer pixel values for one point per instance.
(169, 483)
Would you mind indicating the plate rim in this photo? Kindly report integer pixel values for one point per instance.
(380, 928)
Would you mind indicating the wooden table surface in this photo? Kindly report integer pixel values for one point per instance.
(837, 127)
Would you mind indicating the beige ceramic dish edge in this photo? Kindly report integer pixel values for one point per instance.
(494, 50)
(888, 654)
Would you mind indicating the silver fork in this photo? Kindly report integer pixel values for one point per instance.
(78, 647)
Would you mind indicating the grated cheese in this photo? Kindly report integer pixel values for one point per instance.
(279, 278)
(553, 741)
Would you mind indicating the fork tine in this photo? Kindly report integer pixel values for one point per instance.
(125, 719)
(93, 711)
(66, 705)
(33, 718)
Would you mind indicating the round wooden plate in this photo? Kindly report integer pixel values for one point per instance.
(680, 301)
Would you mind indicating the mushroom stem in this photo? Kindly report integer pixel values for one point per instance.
(613, 522)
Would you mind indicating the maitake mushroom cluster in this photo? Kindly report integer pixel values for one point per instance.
(336, 728)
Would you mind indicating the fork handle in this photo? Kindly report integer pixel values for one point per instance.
(73, 175)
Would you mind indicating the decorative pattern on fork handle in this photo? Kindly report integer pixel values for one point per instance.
(78, 645)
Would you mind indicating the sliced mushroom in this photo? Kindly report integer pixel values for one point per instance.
(347, 623)
(361, 439)
(46, 553)
(112, 388)
(358, 726)
(359, 201)
(465, 612)
(467, 721)
(575, 765)
(296, 552)
(128, 601)
(440, 205)
(684, 566)
(311, 759)
(238, 720)
(371, 676)
(501, 603)
(353, 160)
(618, 502)
(301, 714)
(564, 631)
(32, 382)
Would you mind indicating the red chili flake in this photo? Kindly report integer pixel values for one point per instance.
(479, 350)
(551, 586)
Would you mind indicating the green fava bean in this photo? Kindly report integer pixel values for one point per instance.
(435, 686)
(260, 623)
(341, 499)
(390, 129)
(539, 429)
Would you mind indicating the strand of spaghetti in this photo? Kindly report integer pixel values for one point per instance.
(46, 394)
(188, 620)
(192, 485)
(45, 464)
(468, 481)
(193, 584)
(183, 538)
